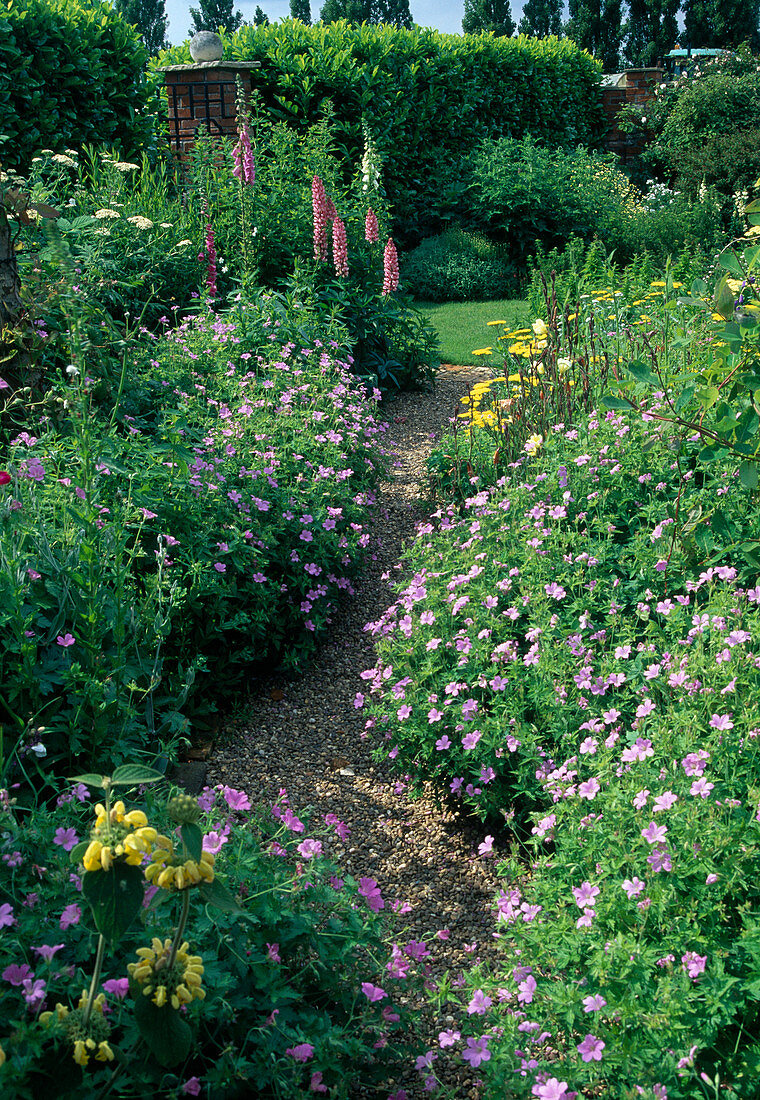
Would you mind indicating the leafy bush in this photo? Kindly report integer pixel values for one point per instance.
(522, 192)
(526, 197)
(49, 52)
(577, 270)
(636, 931)
(425, 97)
(703, 126)
(297, 979)
(491, 644)
(177, 526)
(123, 226)
(459, 267)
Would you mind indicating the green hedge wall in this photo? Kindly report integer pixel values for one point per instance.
(426, 97)
(70, 73)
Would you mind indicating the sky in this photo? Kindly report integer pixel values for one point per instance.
(442, 15)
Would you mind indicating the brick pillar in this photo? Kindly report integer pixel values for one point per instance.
(636, 86)
(203, 93)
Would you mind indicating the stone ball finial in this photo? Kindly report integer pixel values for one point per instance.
(206, 46)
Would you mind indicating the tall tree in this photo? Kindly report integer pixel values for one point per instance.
(368, 11)
(721, 23)
(597, 26)
(651, 31)
(260, 18)
(541, 17)
(213, 14)
(481, 16)
(149, 16)
(300, 9)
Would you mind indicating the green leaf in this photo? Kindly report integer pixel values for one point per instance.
(611, 402)
(192, 836)
(748, 475)
(89, 780)
(115, 897)
(729, 261)
(166, 1034)
(217, 894)
(640, 371)
(77, 852)
(707, 396)
(684, 398)
(724, 298)
(131, 775)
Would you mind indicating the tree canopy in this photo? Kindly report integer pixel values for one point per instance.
(395, 12)
(541, 17)
(481, 16)
(149, 16)
(210, 15)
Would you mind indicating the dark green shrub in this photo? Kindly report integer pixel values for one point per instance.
(703, 126)
(521, 192)
(425, 97)
(71, 73)
(458, 267)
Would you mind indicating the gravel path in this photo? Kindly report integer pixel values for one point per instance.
(305, 734)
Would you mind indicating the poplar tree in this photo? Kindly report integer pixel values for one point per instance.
(651, 31)
(721, 23)
(210, 15)
(260, 18)
(541, 17)
(395, 12)
(300, 9)
(597, 26)
(481, 16)
(149, 16)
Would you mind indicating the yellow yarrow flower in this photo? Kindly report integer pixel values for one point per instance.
(482, 351)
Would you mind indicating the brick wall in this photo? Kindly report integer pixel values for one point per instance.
(204, 94)
(635, 86)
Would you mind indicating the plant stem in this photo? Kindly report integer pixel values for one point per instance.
(180, 928)
(95, 979)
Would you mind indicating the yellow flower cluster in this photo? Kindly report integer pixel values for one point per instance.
(176, 984)
(90, 1041)
(118, 835)
(166, 872)
(484, 418)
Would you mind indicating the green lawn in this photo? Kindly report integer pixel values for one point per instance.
(463, 326)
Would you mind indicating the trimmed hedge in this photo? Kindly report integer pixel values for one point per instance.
(426, 97)
(51, 51)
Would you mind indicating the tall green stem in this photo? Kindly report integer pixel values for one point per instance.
(180, 928)
(94, 980)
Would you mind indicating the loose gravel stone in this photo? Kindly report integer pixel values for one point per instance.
(304, 734)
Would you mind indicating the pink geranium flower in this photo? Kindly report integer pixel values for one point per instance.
(302, 1052)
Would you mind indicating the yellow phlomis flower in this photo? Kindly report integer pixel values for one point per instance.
(165, 873)
(94, 1045)
(178, 984)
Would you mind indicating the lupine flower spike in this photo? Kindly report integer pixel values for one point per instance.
(390, 268)
(340, 249)
(319, 207)
(371, 231)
